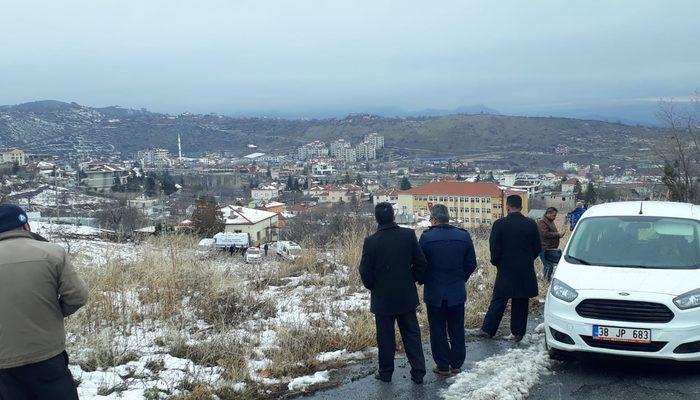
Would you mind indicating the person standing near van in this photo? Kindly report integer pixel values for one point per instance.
(515, 244)
(549, 236)
(575, 215)
(38, 289)
(451, 260)
(392, 262)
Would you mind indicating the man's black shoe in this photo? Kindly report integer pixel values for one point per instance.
(380, 378)
(483, 334)
(417, 381)
(518, 338)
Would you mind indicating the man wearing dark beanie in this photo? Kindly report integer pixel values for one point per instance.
(38, 289)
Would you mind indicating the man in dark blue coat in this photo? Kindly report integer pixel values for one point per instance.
(451, 260)
(515, 244)
(392, 263)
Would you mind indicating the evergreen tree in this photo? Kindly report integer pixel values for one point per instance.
(405, 184)
(578, 191)
(290, 183)
(150, 188)
(591, 195)
(167, 183)
(359, 181)
(207, 218)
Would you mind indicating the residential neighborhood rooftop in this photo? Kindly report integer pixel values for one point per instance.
(458, 188)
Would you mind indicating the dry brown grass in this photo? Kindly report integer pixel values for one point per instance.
(167, 289)
(299, 346)
(226, 352)
(350, 245)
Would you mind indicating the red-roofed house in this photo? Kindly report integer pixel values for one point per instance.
(471, 203)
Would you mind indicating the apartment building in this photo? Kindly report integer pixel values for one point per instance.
(343, 150)
(470, 204)
(375, 140)
(13, 156)
(312, 150)
(157, 158)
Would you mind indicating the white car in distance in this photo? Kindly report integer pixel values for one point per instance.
(629, 284)
(253, 255)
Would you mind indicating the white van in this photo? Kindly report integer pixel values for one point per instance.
(225, 240)
(206, 247)
(252, 255)
(629, 284)
(288, 250)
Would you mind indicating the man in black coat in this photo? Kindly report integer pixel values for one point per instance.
(392, 263)
(515, 244)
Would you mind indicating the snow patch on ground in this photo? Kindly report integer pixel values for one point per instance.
(303, 382)
(507, 376)
(340, 355)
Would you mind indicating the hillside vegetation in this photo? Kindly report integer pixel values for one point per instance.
(53, 127)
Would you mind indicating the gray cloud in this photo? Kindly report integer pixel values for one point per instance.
(315, 57)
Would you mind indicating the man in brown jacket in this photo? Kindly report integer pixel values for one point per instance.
(38, 289)
(549, 236)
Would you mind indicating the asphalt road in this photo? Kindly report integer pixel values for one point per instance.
(598, 378)
(587, 378)
(359, 383)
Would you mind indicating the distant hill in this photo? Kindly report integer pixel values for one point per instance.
(54, 127)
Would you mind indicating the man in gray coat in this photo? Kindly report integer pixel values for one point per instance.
(38, 289)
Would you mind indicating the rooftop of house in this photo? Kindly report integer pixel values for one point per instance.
(459, 188)
(387, 192)
(103, 168)
(237, 215)
(339, 188)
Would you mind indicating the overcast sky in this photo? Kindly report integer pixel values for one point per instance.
(331, 57)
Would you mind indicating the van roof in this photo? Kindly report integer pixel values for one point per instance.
(649, 208)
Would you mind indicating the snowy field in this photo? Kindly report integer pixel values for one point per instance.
(277, 327)
(52, 196)
(164, 321)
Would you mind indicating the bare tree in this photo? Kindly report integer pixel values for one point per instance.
(680, 149)
(122, 220)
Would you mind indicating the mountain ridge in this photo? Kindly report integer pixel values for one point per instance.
(53, 127)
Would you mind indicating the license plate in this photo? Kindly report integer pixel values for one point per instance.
(618, 334)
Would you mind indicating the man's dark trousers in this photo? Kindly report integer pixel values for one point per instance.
(410, 335)
(45, 380)
(518, 315)
(447, 322)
